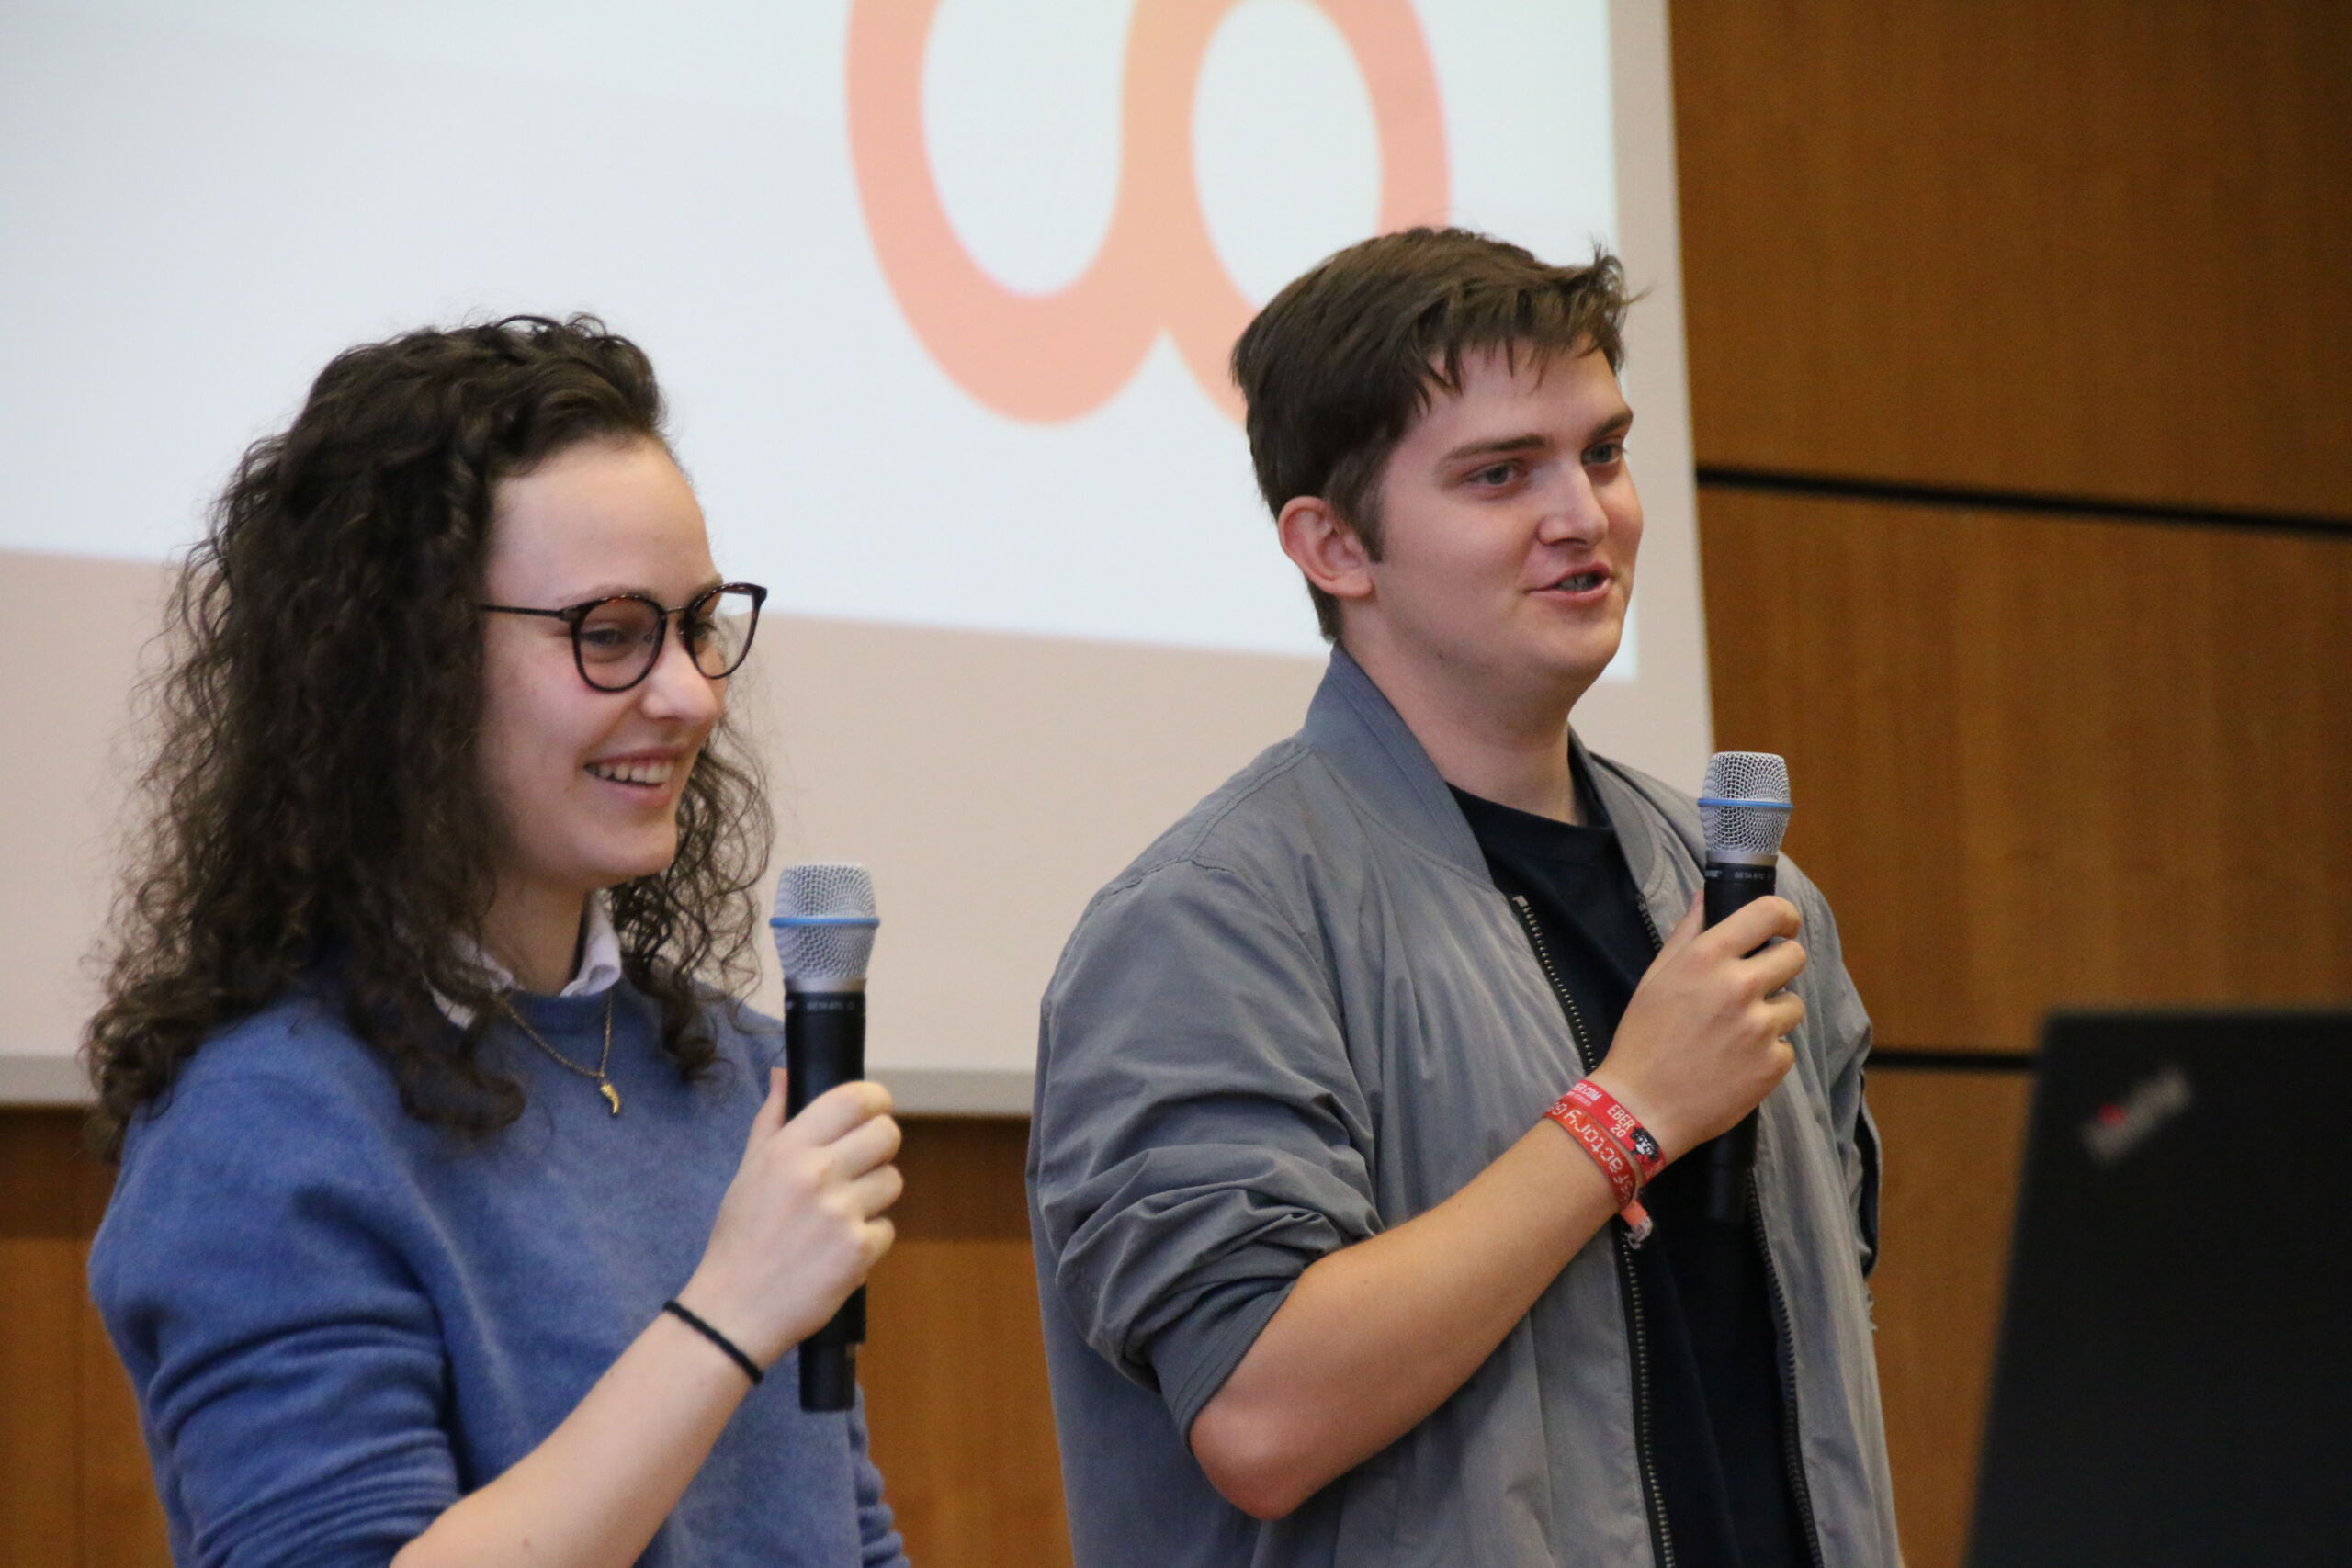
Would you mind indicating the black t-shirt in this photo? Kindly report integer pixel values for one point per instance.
(1716, 1416)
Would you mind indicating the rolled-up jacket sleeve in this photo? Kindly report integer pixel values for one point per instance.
(1200, 1127)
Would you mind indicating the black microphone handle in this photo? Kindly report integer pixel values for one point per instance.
(824, 1046)
(1731, 1158)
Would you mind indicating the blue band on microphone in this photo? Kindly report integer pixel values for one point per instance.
(1747, 804)
(857, 923)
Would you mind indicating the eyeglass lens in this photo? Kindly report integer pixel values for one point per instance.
(620, 639)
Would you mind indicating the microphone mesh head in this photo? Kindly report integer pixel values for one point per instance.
(824, 891)
(1760, 782)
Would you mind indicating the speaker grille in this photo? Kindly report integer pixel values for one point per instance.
(824, 921)
(1750, 803)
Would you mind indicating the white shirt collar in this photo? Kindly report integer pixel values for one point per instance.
(600, 953)
(600, 962)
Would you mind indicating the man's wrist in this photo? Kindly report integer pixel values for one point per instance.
(1627, 1151)
(1641, 1146)
(1671, 1143)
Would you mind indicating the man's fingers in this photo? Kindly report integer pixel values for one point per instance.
(1686, 929)
(1777, 966)
(1750, 925)
(1787, 1013)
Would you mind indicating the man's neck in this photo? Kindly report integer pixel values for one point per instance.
(1501, 743)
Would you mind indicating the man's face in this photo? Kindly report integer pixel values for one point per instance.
(1509, 526)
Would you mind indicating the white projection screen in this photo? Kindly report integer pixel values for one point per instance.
(940, 291)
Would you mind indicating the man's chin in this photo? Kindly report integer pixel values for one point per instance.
(1578, 663)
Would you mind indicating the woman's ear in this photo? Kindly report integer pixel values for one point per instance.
(1324, 547)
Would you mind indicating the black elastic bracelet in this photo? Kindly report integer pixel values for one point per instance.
(734, 1353)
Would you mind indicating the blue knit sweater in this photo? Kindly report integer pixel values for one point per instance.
(338, 1319)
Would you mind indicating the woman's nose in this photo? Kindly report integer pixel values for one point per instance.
(676, 687)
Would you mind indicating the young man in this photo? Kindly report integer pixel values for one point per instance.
(1322, 1281)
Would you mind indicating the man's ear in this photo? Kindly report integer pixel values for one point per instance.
(1320, 545)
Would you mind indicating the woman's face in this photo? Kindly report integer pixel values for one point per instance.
(586, 783)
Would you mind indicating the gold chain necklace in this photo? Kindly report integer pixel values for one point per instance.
(599, 1076)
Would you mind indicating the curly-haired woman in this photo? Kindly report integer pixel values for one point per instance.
(457, 1211)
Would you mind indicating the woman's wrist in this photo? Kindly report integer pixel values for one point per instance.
(717, 1338)
(721, 1309)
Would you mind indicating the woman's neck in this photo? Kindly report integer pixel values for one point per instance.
(535, 933)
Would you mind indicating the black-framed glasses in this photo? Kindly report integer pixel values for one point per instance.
(616, 639)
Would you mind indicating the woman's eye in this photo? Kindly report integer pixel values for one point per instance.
(605, 640)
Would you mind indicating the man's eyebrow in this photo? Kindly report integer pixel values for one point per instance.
(1614, 425)
(1528, 443)
(1617, 423)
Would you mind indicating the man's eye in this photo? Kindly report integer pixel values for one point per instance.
(1605, 454)
(1495, 474)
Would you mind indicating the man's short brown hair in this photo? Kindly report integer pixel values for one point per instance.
(1339, 364)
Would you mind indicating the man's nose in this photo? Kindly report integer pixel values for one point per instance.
(1572, 511)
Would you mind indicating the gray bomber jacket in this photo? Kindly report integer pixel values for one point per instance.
(1304, 1015)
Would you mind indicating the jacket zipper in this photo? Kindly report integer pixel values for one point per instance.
(1792, 1450)
(1784, 1338)
(1661, 1539)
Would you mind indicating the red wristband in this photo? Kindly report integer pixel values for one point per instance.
(1620, 1121)
(1615, 1163)
(1607, 1153)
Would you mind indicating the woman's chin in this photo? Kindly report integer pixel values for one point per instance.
(634, 861)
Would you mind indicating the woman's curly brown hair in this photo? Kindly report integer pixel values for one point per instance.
(316, 804)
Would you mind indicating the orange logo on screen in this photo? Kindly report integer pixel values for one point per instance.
(1055, 356)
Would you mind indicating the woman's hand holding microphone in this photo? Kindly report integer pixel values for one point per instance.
(802, 1224)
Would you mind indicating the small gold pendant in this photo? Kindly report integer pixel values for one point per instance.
(612, 1095)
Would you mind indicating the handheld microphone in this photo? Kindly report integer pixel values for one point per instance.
(824, 927)
(1744, 806)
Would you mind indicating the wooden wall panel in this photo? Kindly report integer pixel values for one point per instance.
(2041, 762)
(1953, 1142)
(40, 1517)
(122, 1522)
(76, 1489)
(2097, 247)
(962, 1423)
